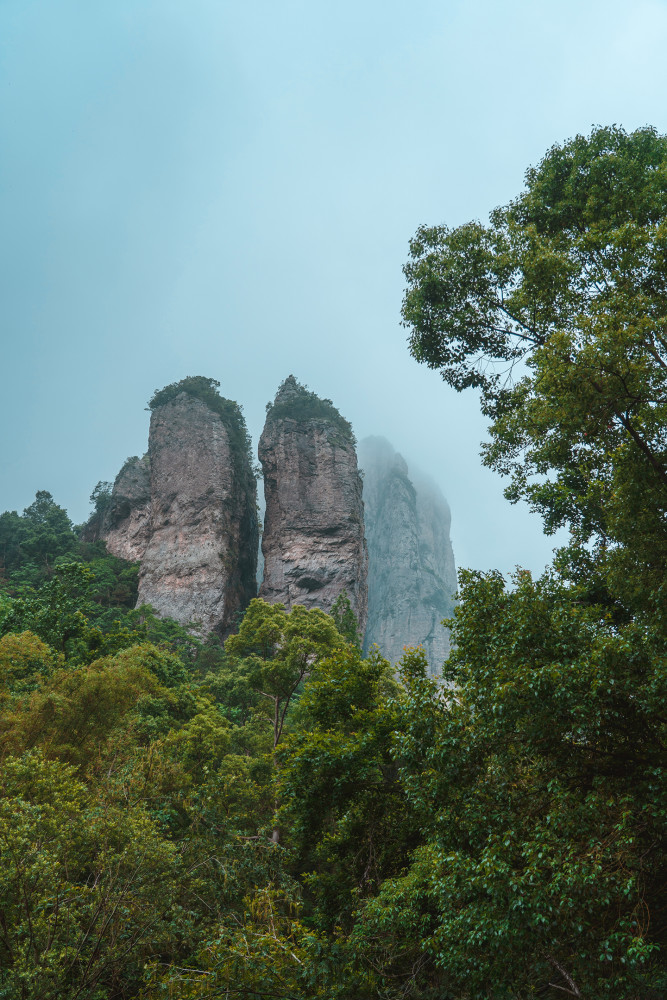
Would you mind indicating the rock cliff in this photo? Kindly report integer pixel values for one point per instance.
(124, 522)
(412, 574)
(313, 541)
(188, 510)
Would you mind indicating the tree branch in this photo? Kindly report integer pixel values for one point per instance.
(574, 989)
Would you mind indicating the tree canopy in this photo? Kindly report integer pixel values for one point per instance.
(557, 312)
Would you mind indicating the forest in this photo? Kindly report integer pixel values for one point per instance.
(278, 816)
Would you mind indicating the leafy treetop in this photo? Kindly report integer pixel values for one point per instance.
(589, 230)
(345, 619)
(557, 312)
(36, 539)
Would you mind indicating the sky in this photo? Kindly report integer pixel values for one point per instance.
(229, 189)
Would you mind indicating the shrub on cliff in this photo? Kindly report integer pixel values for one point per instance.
(296, 402)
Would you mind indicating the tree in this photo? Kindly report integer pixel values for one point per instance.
(85, 887)
(102, 497)
(540, 795)
(24, 662)
(30, 544)
(11, 525)
(278, 649)
(557, 312)
(35, 545)
(267, 952)
(345, 619)
(58, 613)
(541, 782)
(342, 806)
(345, 826)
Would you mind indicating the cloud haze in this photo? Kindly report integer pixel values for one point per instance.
(229, 190)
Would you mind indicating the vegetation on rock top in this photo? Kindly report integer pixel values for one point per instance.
(296, 402)
(206, 390)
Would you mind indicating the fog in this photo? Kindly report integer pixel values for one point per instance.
(229, 190)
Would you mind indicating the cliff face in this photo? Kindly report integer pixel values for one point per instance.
(200, 533)
(313, 542)
(187, 512)
(125, 524)
(412, 574)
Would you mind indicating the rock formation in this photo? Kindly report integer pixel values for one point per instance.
(188, 510)
(313, 541)
(125, 521)
(412, 575)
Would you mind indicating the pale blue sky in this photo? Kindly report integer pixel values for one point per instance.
(201, 187)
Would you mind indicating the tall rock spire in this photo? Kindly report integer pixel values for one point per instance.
(188, 510)
(313, 541)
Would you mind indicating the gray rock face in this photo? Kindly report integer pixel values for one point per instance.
(313, 541)
(192, 567)
(189, 516)
(125, 524)
(412, 574)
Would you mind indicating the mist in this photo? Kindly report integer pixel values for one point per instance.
(230, 190)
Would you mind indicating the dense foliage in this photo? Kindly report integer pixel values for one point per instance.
(137, 796)
(548, 843)
(35, 543)
(557, 312)
(280, 817)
